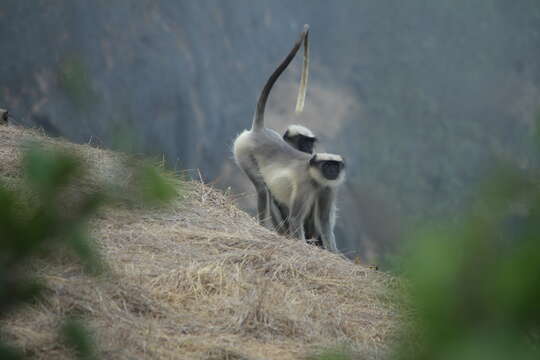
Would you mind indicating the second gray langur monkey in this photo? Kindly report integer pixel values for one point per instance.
(300, 138)
(321, 219)
(295, 180)
(303, 139)
(325, 174)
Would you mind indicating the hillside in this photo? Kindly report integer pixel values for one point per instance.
(200, 280)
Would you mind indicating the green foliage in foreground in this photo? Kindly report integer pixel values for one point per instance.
(48, 213)
(474, 285)
(332, 354)
(79, 339)
(154, 185)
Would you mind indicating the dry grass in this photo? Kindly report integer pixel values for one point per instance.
(201, 280)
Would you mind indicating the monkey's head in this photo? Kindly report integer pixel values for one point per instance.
(4, 115)
(300, 138)
(327, 169)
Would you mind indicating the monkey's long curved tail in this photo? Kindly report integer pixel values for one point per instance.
(258, 118)
(304, 79)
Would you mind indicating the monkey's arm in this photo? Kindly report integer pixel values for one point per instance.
(310, 228)
(326, 216)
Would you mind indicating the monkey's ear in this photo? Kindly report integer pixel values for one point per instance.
(313, 160)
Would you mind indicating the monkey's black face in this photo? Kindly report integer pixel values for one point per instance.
(300, 142)
(331, 169)
(306, 145)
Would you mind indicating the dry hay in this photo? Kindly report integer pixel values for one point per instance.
(201, 280)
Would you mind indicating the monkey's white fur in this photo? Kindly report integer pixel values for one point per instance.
(294, 130)
(329, 157)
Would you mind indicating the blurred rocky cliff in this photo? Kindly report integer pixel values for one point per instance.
(419, 96)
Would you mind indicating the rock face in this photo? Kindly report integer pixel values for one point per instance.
(419, 96)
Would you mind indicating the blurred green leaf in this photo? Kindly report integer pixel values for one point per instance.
(16, 291)
(9, 353)
(474, 283)
(79, 339)
(48, 171)
(332, 354)
(90, 257)
(154, 185)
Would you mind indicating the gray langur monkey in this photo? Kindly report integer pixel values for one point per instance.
(245, 160)
(295, 180)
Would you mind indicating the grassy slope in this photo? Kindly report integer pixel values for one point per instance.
(200, 279)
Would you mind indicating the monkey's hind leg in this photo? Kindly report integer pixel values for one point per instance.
(260, 189)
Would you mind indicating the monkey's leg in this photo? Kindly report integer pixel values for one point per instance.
(326, 216)
(260, 188)
(296, 228)
(279, 215)
(310, 229)
(261, 205)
